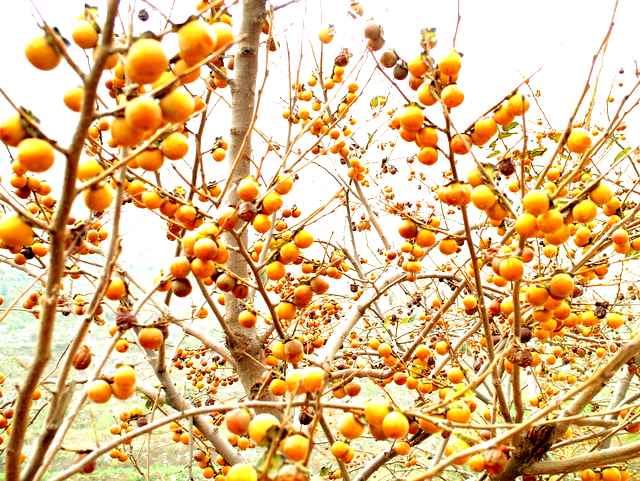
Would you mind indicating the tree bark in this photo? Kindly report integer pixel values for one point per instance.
(245, 344)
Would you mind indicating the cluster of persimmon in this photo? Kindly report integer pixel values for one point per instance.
(612, 473)
(150, 98)
(122, 385)
(537, 215)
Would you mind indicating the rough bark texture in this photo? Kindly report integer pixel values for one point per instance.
(245, 345)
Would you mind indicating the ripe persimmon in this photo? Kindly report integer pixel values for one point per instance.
(73, 99)
(536, 202)
(326, 34)
(452, 96)
(248, 189)
(124, 377)
(271, 202)
(223, 33)
(601, 193)
(42, 54)
(196, 41)
(242, 472)
(295, 447)
(425, 95)
(561, 286)
(483, 197)
(247, 319)
(99, 391)
(88, 169)
(450, 64)
(175, 146)
(579, 141)
(143, 113)
(427, 156)
(145, 61)
(12, 130)
(411, 118)
(349, 426)
(517, 104)
(85, 35)
(150, 338)
(36, 155)
(395, 425)
(177, 105)
(459, 413)
(259, 427)
(584, 211)
(15, 232)
(116, 289)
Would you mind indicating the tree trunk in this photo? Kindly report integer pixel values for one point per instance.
(245, 344)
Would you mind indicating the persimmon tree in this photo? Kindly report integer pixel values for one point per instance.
(358, 286)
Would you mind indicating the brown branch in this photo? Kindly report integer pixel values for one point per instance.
(57, 254)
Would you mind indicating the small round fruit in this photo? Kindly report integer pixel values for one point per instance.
(223, 33)
(150, 338)
(146, 61)
(123, 134)
(375, 411)
(122, 392)
(88, 169)
(14, 232)
(483, 197)
(461, 144)
(427, 156)
(295, 447)
(450, 64)
(175, 146)
(196, 41)
(116, 289)
(459, 413)
(584, 211)
(42, 54)
(517, 104)
(99, 391)
(73, 99)
(536, 202)
(12, 131)
(248, 189)
(326, 34)
(452, 96)
(238, 421)
(35, 154)
(98, 198)
(303, 239)
(561, 286)
(313, 379)
(579, 141)
(395, 425)
(143, 113)
(150, 159)
(177, 106)
(125, 377)
(411, 118)
(611, 474)
(511, 269)
(349, 426)
(85, 35)
(602, 193)
(259, 427)
(242, 472)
